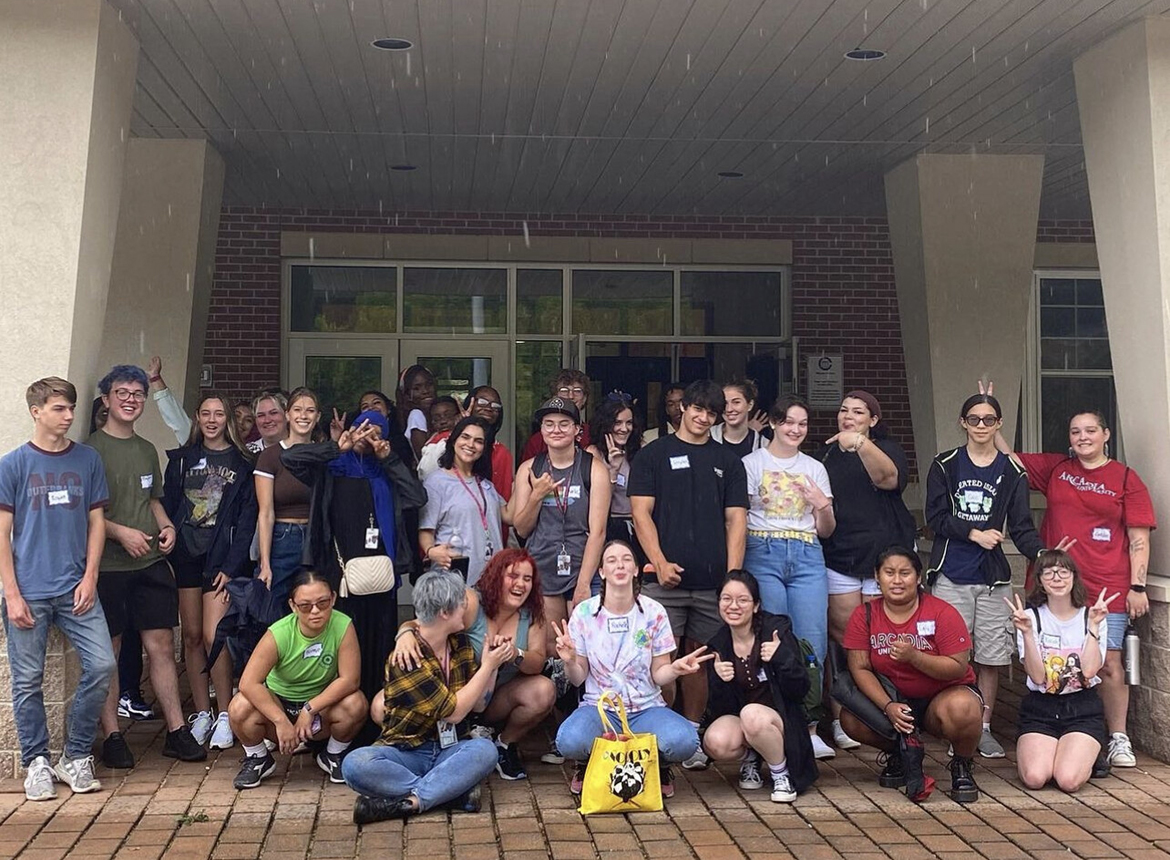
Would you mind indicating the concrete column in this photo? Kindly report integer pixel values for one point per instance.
(1123, 93)
(163, 265)
(68, 70)
(963, 231)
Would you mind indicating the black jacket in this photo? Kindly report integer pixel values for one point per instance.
(310, 464)
(1010, 508)
(235, 523)
(788, 678)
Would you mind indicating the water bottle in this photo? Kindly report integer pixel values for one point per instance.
(1131, 655)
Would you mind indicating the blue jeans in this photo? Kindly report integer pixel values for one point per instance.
(431, 774)
(793, 582)
(677, 738)
(288, 542)
(90, 637)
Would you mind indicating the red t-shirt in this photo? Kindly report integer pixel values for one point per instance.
(1095, 506)
(937, 628)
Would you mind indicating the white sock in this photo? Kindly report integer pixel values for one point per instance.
(334, 746)
(693, 723)
(987, 727)
(778, 770)
(256, 750)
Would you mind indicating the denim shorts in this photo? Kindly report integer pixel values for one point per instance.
(1117, 622)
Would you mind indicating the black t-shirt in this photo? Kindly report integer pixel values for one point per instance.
(691, 486)
(744, 446)
(350, 513)
(869, 519)
(204, 487)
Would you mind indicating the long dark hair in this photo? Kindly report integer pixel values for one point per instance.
(481, 468)
(637, 576)
(1057, 558)
(748, 580)
(605, 417)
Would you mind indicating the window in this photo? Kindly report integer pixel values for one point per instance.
(731, 303)
(344, 299)
(538, 301)
(454, 301)
(623, 302)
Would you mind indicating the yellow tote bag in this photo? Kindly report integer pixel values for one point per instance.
(622, 775)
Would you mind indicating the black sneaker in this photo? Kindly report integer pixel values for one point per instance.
(666, 780)
(132, 706)
(963, 787)
(1101, 767)
(254, 769)
(331, 764)
(367, 810)
(181, 744)
(508, 763)
(893, 774)
(469, 801)
(115, 752)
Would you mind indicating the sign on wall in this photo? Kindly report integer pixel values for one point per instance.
(826, 381)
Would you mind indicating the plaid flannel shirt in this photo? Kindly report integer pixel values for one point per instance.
(418, 699)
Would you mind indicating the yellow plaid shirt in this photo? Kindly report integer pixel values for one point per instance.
(417, 699)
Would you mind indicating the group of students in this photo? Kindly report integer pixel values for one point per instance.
(695, 569)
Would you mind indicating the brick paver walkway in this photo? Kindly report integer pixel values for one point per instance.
(190, 812)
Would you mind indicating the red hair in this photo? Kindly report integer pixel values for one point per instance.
(491, 583)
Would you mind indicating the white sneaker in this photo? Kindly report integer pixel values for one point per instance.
(842, 739)
(782, 790)
(749, 772)
(222, 737)
(38, 783)
(77, 774)
(201, 723)
(1121, 751)
(553, 756)
(821, 749)
(481, 731)
(698, 761)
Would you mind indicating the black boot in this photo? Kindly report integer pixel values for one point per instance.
(367, 810)
(918, 784)
(963, 787)
(893, 773)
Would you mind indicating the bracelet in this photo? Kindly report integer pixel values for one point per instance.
(307, 707)
(1140, 589)
(156, 379)
(1093, 633)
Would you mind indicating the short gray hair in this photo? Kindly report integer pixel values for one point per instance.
(436, 592)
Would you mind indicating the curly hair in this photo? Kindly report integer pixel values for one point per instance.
(491, 583)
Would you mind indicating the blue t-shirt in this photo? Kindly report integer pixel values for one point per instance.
(50, 495)
(973, 499)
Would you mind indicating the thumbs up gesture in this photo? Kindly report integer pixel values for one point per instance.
(724, 669)
(768, 649)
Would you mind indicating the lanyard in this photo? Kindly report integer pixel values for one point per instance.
(482, 510)
(562, 500)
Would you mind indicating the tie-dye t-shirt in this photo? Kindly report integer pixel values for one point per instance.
(619, 649)
(776, 504)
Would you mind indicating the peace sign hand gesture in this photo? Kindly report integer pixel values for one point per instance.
(1100, 609)
(769, 648)
(615, 451)
(353, 435)
(725, 669)
(566, 650)
(1021, 617)
(693, 662)
(337, 425)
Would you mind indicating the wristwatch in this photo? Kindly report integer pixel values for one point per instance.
(1140, 589)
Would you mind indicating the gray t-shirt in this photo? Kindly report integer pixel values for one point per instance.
(469, 509)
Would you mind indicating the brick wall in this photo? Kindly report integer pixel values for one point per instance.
(842, 278)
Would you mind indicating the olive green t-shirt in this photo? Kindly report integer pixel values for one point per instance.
(134, 478)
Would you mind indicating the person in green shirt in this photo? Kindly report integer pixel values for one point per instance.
(301, 683)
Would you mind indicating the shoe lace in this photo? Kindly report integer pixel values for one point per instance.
(750, 769)
(83, 767)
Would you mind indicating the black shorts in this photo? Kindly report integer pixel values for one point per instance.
(1056, 716)
(148, 599)
(189, 571)
(291, 709)
(918, 706)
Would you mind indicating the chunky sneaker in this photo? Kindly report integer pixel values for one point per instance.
(115, 753)
(698, 761)
(132, 707)
(1101, 768)
(201, 724)
(553, 756)
(331, 764)
(77, 774)
(963, 787)
(578, 779)
(367, 810)
(821, 749)
(893, 773)
(666, 780)
(254, 769)
(1121, 751)
(989, 747)
(508, 762)
(782, 790)
(479, 730)
(38, 782)
(181, 744)
(842, 739)
(221, 736)
(749, 772)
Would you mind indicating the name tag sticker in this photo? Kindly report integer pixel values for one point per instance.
(621, 480)
(200, 466)
(574, 492)
(718, 471)
(618, 625)
(314, 650)
(763, 676)
(683, 462)
(58, 497)
(925, 628)
(371, 538)
(447, 735)
(973, 497)
(1102, 534)
(1049, 640)
(147, 481)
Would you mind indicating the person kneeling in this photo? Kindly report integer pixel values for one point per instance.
(909, 655)
(1062, 644)
(300, 684)
(420, 763)
(757, 685)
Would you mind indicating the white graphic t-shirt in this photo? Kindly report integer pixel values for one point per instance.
(1061, 645)
(776, 503)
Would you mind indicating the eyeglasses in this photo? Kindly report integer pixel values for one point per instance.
(490, 404)
(320, 605)
(570, 392)
(985, 420)
(728, 600)
(130, 394)
(1056, 573)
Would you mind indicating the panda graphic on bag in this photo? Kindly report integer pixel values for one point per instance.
(627, 780)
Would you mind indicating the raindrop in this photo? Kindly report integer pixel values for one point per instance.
(408, 62)
(527, 240)
(351, 165)
(972, 53)
(688, 62)
(928, 125)
(169, 210)
(278, 173)
(188, 282)
(864, 99)
(141, 343)
(312, 248)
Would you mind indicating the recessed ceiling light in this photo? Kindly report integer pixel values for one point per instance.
(393, 44)
(864, 54)
(731, 174)
(402, 167)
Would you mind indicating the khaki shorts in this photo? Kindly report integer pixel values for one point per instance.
(693, 614)
(987, 617)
